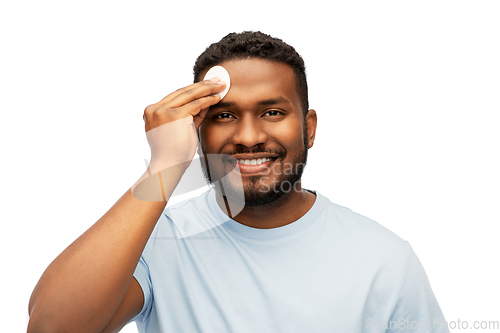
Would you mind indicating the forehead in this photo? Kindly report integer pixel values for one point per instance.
(254, 80)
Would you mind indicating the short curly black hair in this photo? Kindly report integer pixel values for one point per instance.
(255, 44)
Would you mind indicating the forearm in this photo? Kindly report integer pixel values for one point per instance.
(82, 288)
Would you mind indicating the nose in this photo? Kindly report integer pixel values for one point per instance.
(249, 133)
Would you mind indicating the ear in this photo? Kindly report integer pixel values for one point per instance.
(311, 123)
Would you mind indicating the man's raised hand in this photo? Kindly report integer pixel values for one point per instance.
(193, 100)
(171, 126)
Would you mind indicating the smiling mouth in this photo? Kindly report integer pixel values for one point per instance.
(255, 161)
(252, 165)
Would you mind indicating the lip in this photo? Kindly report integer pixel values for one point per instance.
(248, 169)
(253, 156)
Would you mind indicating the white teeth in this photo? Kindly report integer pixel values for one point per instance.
(255, 161)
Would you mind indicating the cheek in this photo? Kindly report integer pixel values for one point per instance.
(288, 133)
(211, 138)
(204, 137)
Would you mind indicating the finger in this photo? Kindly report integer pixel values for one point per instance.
(197, 92)
(185, 95)
(198, 119)
(190, 109)
(180, 91)
(149, 111)
(195, 107)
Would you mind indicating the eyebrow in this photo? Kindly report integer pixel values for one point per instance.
(267, 102)
(279, 100)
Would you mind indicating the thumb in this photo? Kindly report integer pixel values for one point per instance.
(198, 119)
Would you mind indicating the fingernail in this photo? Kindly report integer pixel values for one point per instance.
(215, 79)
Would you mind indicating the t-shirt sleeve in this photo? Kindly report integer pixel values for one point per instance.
(143, 277)
(416, 308)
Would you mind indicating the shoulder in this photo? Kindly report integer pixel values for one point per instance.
(191, 205)
(195, 215)
(361, 231)
(176, 222)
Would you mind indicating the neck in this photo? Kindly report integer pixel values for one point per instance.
(287, 209)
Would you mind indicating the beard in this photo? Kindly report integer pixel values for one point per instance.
(255, 192)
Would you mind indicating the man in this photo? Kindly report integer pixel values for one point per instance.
(287, 260)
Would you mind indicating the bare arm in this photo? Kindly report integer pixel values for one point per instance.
(89, 287)
(82, 288)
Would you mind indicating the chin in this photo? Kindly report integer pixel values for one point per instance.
(256, 193)
(254, 199)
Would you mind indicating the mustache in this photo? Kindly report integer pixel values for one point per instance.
(281, 153)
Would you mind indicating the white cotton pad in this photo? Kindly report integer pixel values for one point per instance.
(220, 72)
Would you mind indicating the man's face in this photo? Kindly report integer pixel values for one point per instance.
(258, 128)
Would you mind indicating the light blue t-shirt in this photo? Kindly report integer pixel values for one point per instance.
(330, 271)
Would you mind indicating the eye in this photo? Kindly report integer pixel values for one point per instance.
(273, 113)
(223, 116)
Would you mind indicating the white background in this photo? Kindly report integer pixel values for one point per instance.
(407, 95)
